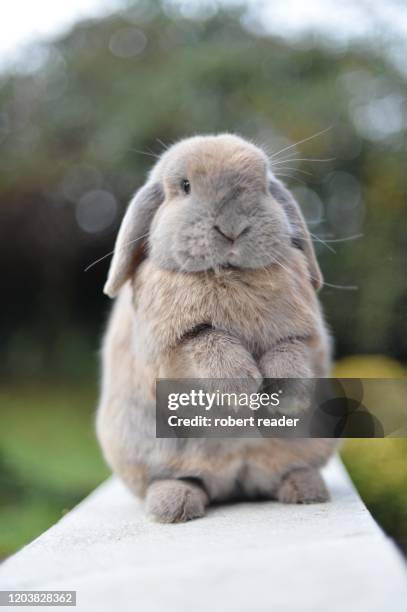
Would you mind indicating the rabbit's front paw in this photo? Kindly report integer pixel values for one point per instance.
(175, 501)
(303, 486)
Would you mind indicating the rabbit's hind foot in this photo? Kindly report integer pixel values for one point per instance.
(303, 486)
(175, 501)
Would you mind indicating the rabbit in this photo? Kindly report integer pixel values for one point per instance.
(214, 276)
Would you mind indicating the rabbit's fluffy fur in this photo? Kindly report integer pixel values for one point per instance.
(215, 278)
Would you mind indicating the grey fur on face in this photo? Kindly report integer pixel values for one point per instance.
(227, 219)
(233, 213)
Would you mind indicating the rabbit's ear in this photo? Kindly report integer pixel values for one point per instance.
(128, 251)
(300, 235)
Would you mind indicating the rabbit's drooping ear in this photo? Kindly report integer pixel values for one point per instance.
(132, 234)
(300, 237)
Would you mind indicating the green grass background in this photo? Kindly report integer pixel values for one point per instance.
(49, 458)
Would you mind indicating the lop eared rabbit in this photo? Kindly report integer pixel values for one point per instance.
(215, 277)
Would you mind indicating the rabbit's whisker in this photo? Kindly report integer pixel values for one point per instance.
(343, 287)
(301, 141)
(325, 283)
(295, 159)
(290, 176)
(114, 250)
(345, 239)
(318, 239)
(147, 153)
(166, 147)
(279, 263)
(297, 170)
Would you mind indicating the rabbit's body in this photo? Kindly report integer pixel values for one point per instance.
(225, 322)
(149, 320)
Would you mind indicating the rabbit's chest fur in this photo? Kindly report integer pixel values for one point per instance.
(259, 308)
(256, 306)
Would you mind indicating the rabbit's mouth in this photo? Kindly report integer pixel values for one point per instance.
(229, 266)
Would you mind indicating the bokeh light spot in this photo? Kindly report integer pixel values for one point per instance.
(96, 210)
(127, 42)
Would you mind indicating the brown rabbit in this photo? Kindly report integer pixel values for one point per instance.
(215, 275)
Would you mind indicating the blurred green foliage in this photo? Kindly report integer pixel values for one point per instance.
(379, 470)
(378, 467)
(49, 458)
(81, 119)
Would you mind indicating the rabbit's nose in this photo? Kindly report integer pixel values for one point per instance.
(230, 234)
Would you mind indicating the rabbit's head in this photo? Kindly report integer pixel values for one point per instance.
(211, 202)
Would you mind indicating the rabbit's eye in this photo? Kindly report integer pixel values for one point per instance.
(185, 186)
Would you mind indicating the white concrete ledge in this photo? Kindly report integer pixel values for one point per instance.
(243, 557)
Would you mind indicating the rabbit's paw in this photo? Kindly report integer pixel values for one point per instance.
(303, 486)
(175, 501)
